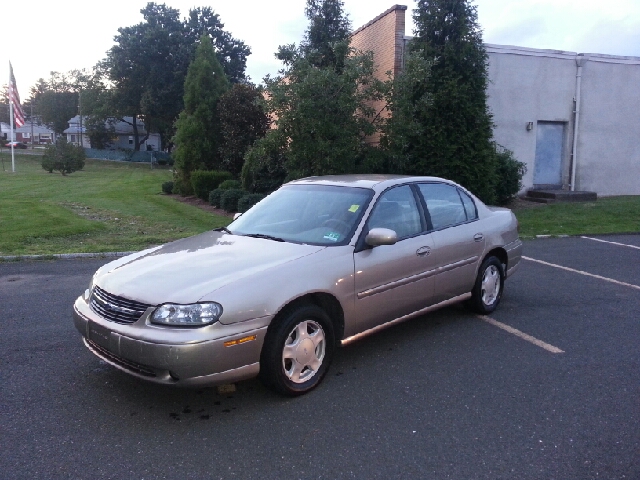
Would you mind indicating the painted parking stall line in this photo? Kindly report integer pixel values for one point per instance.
(514, 331)
(581, 272)
(611, 243)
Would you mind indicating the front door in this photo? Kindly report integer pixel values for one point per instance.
(394, 280)
(549, 147)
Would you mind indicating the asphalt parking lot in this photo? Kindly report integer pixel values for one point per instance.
(546, 387)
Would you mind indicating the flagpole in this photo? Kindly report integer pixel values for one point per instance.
(13, 159)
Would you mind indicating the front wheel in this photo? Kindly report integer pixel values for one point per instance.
(298, 351)
(487, 291)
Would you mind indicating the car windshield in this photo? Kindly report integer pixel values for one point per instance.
(311, 214)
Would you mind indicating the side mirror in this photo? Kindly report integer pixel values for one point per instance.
(236, 215)
(381, 236)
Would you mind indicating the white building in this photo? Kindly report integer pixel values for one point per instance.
(556, 110)
(553, 109)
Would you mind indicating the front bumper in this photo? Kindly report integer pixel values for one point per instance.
(174, 356)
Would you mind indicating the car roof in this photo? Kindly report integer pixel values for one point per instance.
(377, 182)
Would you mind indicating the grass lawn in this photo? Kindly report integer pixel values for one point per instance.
(116, 206)
(607, 215)
(108, 206)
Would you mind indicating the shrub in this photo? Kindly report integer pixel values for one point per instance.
(230, 198)
(215, 196)
(63, 157)
(248, 201)
(167, 187)
(203, 181)
(180, 187)
(229, 184)
(263, 170)
(509, 172)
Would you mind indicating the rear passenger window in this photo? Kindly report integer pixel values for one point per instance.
(444, 204)
(469, 206)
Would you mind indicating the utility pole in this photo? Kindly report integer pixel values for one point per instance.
(31, 104)
(80, 112)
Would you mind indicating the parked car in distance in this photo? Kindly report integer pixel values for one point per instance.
(16, 145)
(320, 262)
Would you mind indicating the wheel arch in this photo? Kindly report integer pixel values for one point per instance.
(501, 254)
(326, 301)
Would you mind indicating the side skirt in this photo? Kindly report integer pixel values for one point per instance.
(446, 303)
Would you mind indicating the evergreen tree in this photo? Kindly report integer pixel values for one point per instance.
(242, 121)
(197, 137)
(328, 33)
(321, 100)
(451, 133)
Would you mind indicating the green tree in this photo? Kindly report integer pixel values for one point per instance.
(99, 131)
(450, 127)
(407, 99)
(231, 52)
(242, 121)
(324, 114)
(4, 104)
(58, 99)
(197, 137)
(328, 33)
(264, 168)
(322, 98)
(63, 157)
(148, 64)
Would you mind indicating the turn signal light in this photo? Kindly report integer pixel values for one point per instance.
(239, 341)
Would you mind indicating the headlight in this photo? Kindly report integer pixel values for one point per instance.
(197, 314)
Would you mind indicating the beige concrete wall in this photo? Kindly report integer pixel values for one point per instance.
(532, 85)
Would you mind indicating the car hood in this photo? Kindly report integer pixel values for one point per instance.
(187, 270)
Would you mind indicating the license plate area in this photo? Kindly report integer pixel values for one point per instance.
(99, 335)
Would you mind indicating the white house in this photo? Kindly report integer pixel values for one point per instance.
(123, 137)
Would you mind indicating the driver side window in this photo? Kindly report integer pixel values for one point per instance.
(397, 210)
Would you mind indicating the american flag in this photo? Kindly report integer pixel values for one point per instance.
(14, 99)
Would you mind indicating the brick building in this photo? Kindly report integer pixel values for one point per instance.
(571, 118)
(384, 36)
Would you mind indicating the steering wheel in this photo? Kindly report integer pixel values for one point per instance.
(340, 225)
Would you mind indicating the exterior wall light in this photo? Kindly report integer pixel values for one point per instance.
(529, 126)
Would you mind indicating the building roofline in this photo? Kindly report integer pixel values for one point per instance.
(562, 54)
(383, 14)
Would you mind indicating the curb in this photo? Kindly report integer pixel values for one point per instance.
(67, 256)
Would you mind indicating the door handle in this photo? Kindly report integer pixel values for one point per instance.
(423, 251)
(478, 237)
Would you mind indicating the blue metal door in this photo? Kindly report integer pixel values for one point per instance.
(549, 147)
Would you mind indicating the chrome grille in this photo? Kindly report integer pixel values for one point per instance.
(114, 308)
(123, 362)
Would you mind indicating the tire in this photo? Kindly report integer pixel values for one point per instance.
(487, 291)
(297, 351)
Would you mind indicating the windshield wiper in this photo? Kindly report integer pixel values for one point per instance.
(223, 229)
(262, 235)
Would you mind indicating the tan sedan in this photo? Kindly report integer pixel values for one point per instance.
(320, 262)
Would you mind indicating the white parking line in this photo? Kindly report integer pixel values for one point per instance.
(617, 282)
(612, 243)
(518, 333)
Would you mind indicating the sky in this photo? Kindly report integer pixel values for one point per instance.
(76, 34)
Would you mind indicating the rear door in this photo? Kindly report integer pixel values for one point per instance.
(458, 238)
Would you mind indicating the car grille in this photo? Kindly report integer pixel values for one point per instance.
(116, 309)
(123, 362)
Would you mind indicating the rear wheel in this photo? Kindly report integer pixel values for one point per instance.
(487, 291)
(297, 351)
